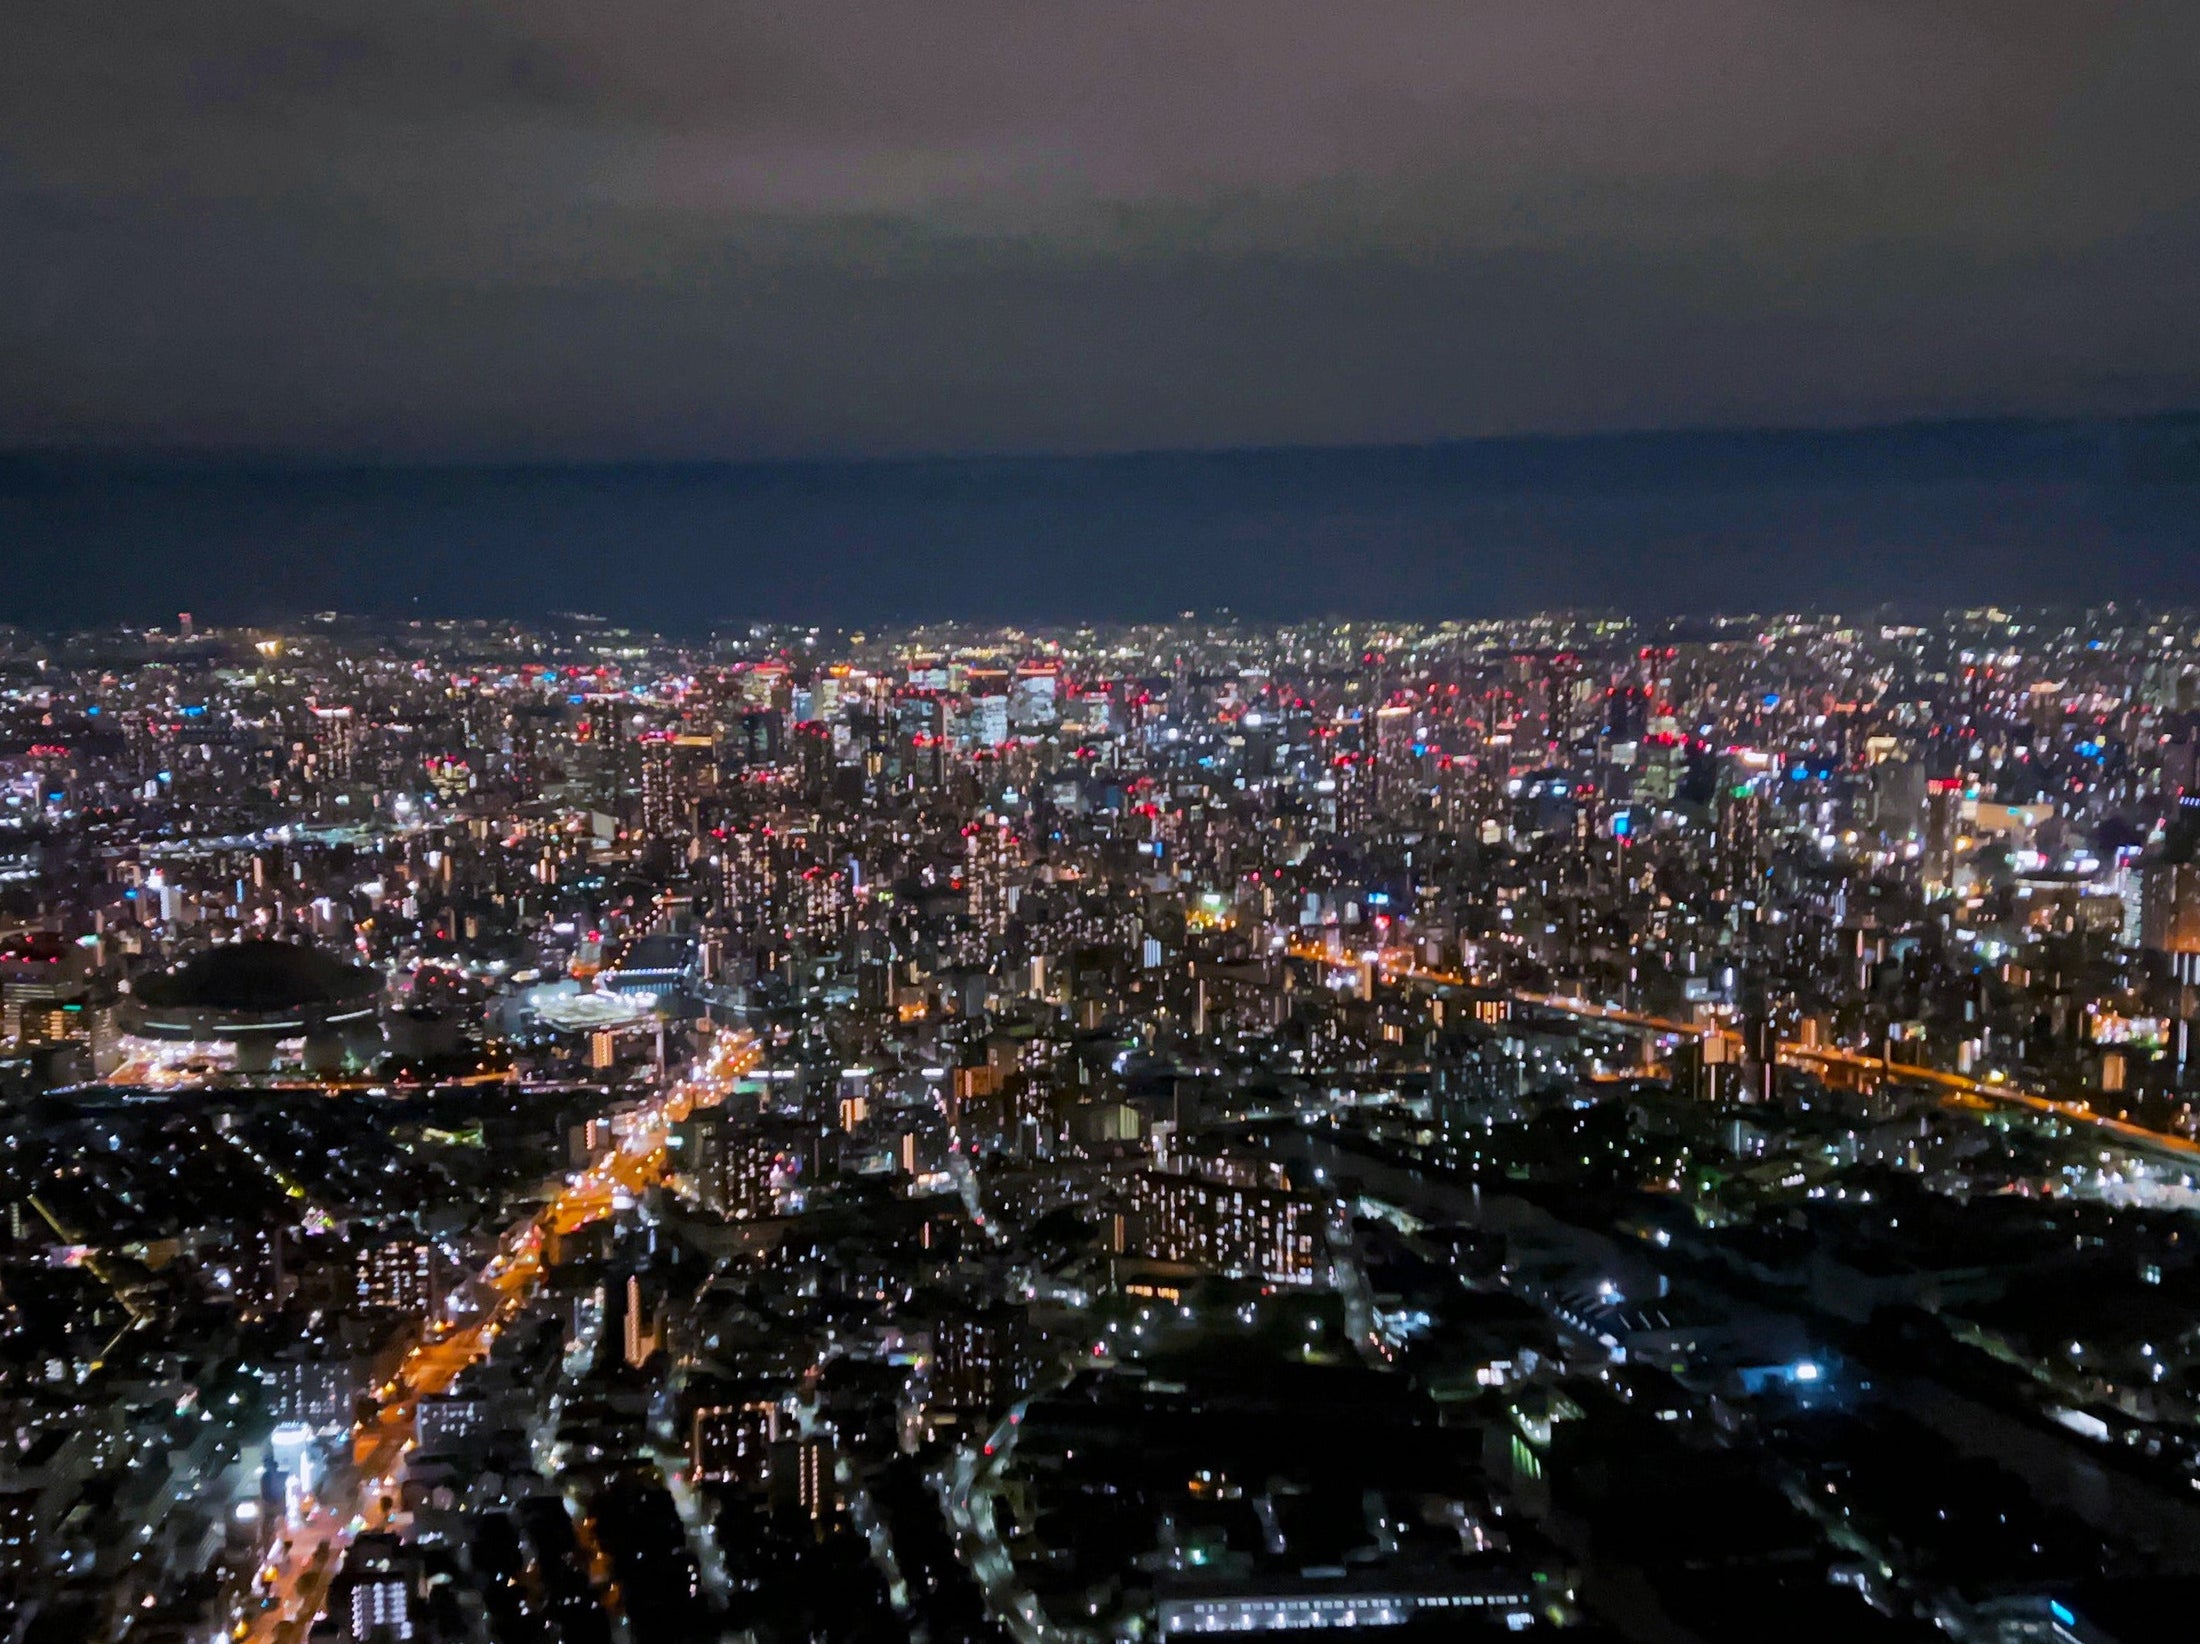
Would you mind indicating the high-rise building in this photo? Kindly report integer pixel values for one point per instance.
(1740, 840)
(734, 1443)
(379, 1596)
(2170, 890)
(1031, 700)
(314, 1388)
(990, 856)
(445, 1421)
(642, 1330)
(1231, 1228)
(1397, 769)
(678, 772)
(984, 1359)
(988, 721)
(745, 1167)
(2169, 925)
(1943, 826)
(397, 1276)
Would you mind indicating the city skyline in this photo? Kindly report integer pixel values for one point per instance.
(1002, 822)
(518, 1133)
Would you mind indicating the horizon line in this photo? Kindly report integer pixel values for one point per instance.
(251, 459)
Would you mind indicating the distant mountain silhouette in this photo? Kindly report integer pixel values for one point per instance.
(1921, 517)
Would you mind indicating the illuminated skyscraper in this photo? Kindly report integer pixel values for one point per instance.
(677, 773)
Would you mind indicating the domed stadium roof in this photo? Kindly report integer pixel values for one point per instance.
(258, 978)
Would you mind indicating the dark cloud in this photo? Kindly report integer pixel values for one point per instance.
(694, 227)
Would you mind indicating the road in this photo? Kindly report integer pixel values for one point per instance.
(2160, 1144)
(300, 1585)
(966, 1487)
(1348, 1277)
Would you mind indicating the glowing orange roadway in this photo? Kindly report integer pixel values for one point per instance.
(2074, 1110)
(299, 1588)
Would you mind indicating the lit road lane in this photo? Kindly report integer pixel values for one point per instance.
(2074, 1110)
(965, 1488)
(300, 1586)
(2071, 1109)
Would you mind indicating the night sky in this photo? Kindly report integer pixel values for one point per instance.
(451, 231)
